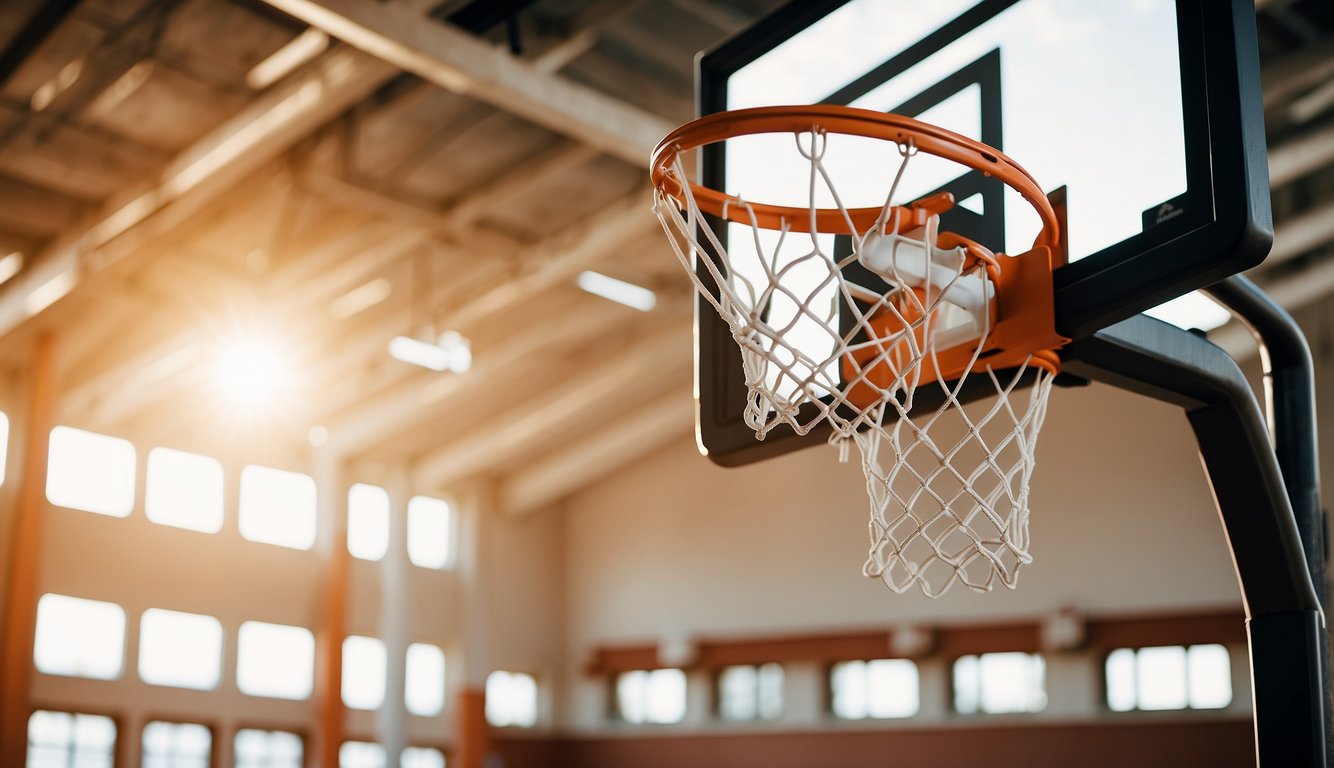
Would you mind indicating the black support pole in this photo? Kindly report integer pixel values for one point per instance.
(1289, 389)
(1284, 617)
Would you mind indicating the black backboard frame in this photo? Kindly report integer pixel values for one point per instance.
(1226, 227)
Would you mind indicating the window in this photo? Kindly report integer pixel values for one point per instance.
(1169, 677)
(180, 649)
(4, 444)
(424, 688)
(422, 757)
(367, 521)
(177, 745)
(428, 532)
(999, 683)
(277, 507)
(268, 749)
(364, 669)
(511, 699)
(90, 472)
(275, 660)
(654, 696)
(63, 739)
(880, 688)
(751, 693)
(360, 754)
(184, 490)
(77, 637)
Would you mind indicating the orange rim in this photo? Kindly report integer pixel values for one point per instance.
(826, 119)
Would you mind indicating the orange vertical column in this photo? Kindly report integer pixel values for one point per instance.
(333, 625)
(20, 616)
(474, 734)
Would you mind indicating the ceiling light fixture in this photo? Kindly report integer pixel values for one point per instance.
(619, 291)
(10, 266)
(451, 353)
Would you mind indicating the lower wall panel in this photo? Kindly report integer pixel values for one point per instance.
(1203, 744)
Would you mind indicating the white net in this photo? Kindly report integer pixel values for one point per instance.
(883, 343)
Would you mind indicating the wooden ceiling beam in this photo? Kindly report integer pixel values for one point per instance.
(409, 404)
(621, 441)
(194, 178)
(599, 393)
(559, 258)
(464, 64)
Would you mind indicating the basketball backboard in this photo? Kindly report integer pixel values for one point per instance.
(1142, 115)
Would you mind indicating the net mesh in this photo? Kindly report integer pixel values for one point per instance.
(869, 338)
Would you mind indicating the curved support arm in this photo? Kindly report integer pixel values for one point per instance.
(1290, 392)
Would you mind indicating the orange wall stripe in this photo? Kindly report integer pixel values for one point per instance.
(1102, 633)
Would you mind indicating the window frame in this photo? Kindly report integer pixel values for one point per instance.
(249, 725)
(150, 717)
(616, 713)
(116, 718)
(537, 700)
(221, 657)
(982, 713)
(718, 693)
(1137, 711)
(125, 628)
(833, 715)
(451, 554)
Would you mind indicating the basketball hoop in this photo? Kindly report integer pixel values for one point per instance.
(850, 340)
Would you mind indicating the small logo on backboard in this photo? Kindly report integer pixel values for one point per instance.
(1165, 212)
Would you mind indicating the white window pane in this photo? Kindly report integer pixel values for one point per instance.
(1210, 673)
(892, 688)
(51, 728)
(422, 757)
(1161, 677)
(847, 681)
(360, 754)
(367, 521)
(630, 695)
(95, 733)
(4, 444)
(428, 532)
(738, 693)
(364, 669)
(1012, 682)
(177, 745)
(999, 683)
(1121, 680)
(424, 688)
(64, 740)
(267, 749)
(47, 757)
(967, 685)
(180, 649)
(275, 660)
(184, 490)
(82, 638)
(771, 691)
(91, 472)
(511, 699)
(277, 507)
(666, 696)
(525, 699)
